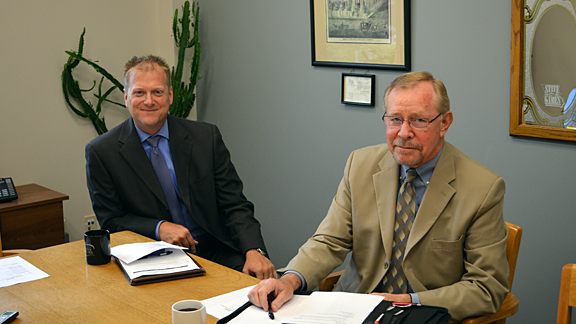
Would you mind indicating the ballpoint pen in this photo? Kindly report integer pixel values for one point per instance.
(234, 313)
(157, 253)
(270, 298)
(377, 321)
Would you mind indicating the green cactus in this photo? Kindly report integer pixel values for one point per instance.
(184, 95)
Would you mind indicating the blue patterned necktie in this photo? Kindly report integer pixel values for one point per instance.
(163, 174)
(395, 280)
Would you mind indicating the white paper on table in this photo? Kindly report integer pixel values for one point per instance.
(177, 261)
(317, 308)
(15, 270)
(221, 306)
(134, 251)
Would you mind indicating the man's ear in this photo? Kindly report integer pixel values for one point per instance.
(446, 122)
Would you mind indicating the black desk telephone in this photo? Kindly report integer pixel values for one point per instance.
(7, 190)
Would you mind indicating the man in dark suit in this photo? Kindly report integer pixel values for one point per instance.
(206, 210)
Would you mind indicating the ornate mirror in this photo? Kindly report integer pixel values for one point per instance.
(543, 69)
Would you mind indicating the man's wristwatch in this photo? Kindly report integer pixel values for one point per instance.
(259, 250)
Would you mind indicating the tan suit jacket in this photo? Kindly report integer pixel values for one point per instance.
(456, 252)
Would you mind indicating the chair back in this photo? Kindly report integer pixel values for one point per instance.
(510, 305)
(512, 248)
(567, 298)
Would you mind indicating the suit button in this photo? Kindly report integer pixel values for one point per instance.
(386, 265)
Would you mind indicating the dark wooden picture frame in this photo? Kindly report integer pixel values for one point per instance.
(358, 89)
(368, 34)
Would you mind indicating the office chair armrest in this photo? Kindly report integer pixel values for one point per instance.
(328, 283)
(509, 307)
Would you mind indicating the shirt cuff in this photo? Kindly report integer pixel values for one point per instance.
(415, 298)
(303, 286)
(157, 228)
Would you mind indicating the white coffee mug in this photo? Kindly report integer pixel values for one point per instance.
(188, 312)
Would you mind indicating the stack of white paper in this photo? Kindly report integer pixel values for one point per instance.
(317, 308)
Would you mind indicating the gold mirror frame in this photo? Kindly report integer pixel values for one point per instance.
(519, 68)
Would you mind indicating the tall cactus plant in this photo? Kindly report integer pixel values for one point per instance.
(185, 30)
(184, 95)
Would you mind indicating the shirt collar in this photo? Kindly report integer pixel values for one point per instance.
(162, 132)
(424, 171)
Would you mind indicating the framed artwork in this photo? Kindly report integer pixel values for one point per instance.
(358, 89)
(543, 73)
(367, 34)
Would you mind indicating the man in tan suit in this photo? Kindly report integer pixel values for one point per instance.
(455, 253)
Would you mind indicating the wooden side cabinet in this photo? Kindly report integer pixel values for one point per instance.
(33, 221)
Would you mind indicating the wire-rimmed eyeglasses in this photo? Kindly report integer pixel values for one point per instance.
(418, 123)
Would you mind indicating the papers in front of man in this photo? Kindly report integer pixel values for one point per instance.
(316, 308)
(155, 261)
(134, 251)
(15, 270)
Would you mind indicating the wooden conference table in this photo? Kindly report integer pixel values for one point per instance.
(79, 293)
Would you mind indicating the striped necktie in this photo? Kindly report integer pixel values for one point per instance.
(395, 281)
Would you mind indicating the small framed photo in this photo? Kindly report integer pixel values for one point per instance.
(358, 89)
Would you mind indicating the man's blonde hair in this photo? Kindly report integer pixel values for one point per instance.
(145, 63)
(410, 80)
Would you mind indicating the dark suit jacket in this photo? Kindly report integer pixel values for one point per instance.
(126, 194)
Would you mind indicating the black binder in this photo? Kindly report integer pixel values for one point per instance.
(162, 277)
(410, 314)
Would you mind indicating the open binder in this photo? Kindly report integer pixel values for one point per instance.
(140, 266)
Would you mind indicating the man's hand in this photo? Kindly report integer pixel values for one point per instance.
(401, 298)
(282, 289)
(258, 265)
(177, 235)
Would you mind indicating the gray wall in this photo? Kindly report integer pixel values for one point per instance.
(42, 141)
(289, 135)
(282, 118)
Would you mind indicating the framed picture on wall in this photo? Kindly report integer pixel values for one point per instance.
(542, 80)
(367, 34)
(358, 89)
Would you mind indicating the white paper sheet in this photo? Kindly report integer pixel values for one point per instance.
(175, 262)
(318, 308)
(15, 270)
(221, 306)
(134, 251)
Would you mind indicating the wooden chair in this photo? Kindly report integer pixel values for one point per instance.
(9, 252)
(509, 306)
(567, 298)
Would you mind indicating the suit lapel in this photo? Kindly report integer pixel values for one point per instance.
(436, 198)
(181, 146)
(133, 152)
(386, 189)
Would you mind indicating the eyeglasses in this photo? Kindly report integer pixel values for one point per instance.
(418, 123)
